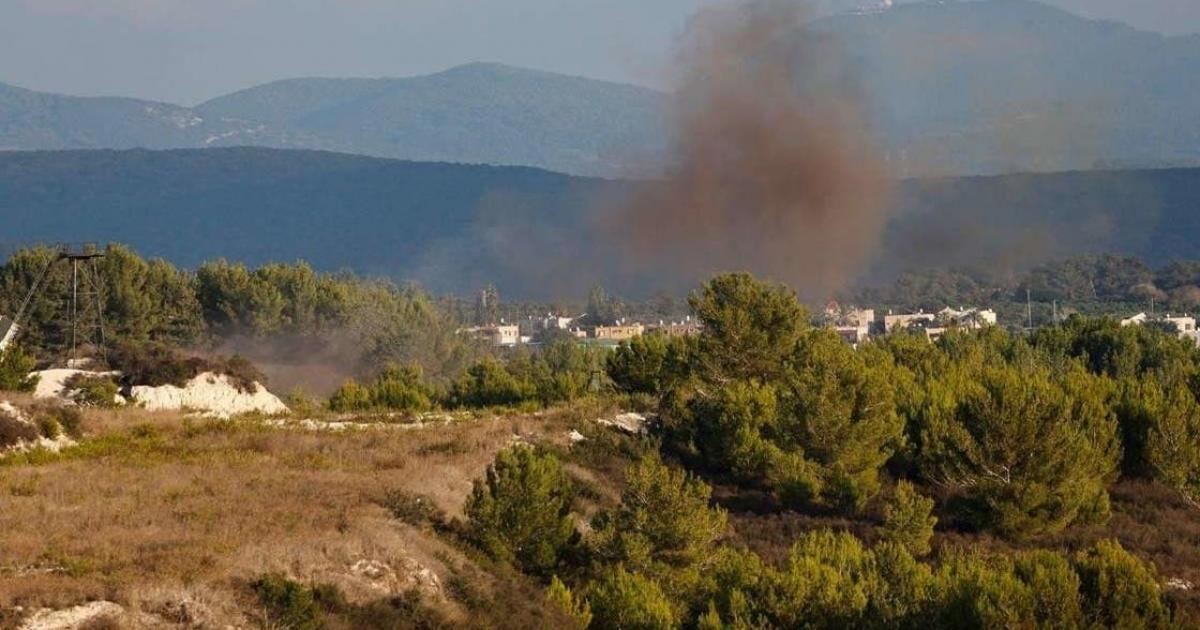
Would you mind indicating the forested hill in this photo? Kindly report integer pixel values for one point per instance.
(532, 232)
(449, 226)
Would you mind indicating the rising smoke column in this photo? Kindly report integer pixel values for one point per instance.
(773, 171)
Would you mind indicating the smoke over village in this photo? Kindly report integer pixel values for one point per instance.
(693, 314)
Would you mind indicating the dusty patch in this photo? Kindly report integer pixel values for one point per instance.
(632, 423)
(74, 618)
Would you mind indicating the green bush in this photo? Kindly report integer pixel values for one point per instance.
(489, 384)
(775, 402)
(350, 397)
(288, 603)
(1031, 449)
(640, 365)
(1119, 590)
(664, 518)
(395, 389)
(93, 391)
(521, 512)
(573, 608)
(15, 368)
(1172, 439)
(907, 520)
(626, 601)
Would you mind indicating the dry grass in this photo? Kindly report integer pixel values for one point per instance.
(149, 500)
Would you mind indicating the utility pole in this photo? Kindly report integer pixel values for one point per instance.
(1029, 309)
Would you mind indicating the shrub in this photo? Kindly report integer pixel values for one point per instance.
(574, 608)
(826, 584)
(350, 397)
(288, 603)
(664, 517)
(521, 512)
(819, 435)
(907, 520)
(401, 389)
(975, 591)
(1119, 590)
(1054, 586)
(904, 592)
(68, 418)
(242, 373)
(750, 327)
(1173, 438)
(154, 364)
(839, 412)
(14, 429)
(488, 384)
(638, 366)
(93, 391)
(1032, 450)
(625, 601)
(414, 509)
(396, 389)
(15, 368)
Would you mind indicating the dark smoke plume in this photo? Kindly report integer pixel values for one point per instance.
(773, 171)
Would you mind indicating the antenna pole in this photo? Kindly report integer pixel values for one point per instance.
(74, 310)
(1029, 308)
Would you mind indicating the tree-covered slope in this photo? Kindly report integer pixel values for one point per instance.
(534, 233)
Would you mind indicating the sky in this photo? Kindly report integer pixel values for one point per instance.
(187, 51)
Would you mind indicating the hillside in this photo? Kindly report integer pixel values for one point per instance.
(450, 226)
(479, 113)
(1008, 85)
(534, 233)
(36, 120)
(953, 88)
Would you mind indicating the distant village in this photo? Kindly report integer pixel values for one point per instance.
(527, 330)
(854, 325)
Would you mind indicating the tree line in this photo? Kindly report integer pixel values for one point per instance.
(1083, 284)
(987, 432)
(153, 301)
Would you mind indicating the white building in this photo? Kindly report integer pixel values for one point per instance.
(968, 318)
(892, 322)
(500, 335)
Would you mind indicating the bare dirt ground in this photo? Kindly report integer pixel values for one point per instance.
(169, 517)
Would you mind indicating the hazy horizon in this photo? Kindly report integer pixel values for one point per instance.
(186, 52)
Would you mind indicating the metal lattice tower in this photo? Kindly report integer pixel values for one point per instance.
(87, 300)
(84, 303)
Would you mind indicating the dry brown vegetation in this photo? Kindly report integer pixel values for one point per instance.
(171, 517)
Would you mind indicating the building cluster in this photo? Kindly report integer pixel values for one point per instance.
(530, 329)
(857, 325)
(1184, 325)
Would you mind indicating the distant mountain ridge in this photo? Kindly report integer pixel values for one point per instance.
(36, 120)
(980, 87)
(534, 233)
(477, 113)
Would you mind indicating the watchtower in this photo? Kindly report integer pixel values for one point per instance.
(85, 303)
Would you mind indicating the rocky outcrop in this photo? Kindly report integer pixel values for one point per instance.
(212, 394)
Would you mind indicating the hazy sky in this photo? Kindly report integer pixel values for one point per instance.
(186, 51)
